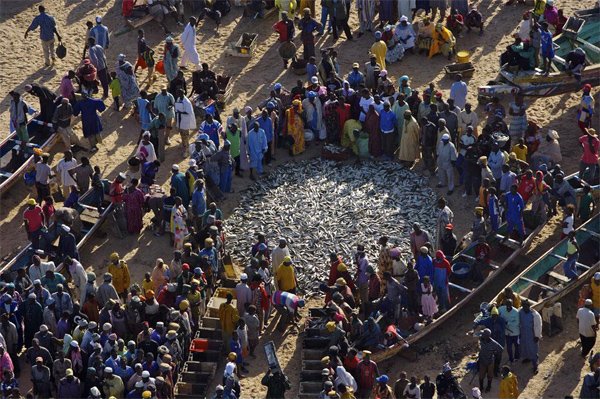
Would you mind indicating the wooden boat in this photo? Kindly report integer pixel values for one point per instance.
(462, 288)
(40, 138)
(91, 218)
(544, 282)
(579, 31)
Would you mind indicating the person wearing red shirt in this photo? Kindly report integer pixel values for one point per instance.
(589, 158)
(366, 372)
(455, 23)
(482, 259)
(48, 209)
(526, 185)
(116, 189)
(285, 29)
(33, 217)
(351, 362)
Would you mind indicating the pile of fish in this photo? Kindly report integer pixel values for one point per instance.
(322, 206)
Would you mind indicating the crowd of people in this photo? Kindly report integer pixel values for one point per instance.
(127, 339)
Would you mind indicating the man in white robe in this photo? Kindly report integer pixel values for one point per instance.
(188, 41)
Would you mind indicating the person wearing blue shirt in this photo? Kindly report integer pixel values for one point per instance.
(47, 27)
(387, 125)
(356, 77)
(458, 92)
(514, 213)
(212, 128)
(311, 68)
(266, 123)
(100, 33)
(198, 199)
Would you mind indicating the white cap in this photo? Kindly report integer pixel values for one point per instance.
(445, 136)
(588, 302)
(314, 80)
(145, 374)
(139, 384)
(98, 18)
(108, 370)
(37, 281)
(175, 167)
(65, 227)
(192, 162)
(243, 276)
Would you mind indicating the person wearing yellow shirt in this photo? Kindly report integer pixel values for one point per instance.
(228, 316)
(147, 283)
(520, 150)
(379, 50)
(286, 276)
(113, 384)
(509, 386)
(120, 272)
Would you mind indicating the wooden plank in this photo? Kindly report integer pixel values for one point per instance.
(137, 22)
(544, 286)
(513, 244)
(590, 232)
(558, 276)
(460, 288)
(492, 265)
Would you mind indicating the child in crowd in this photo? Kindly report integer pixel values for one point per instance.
(115, 89)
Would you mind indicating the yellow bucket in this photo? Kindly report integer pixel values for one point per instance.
(463, 57)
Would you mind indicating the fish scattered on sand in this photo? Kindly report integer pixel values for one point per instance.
(322, 206)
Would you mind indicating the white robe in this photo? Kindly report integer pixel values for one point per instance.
(405, 7)
(188, 41)
(185, 121)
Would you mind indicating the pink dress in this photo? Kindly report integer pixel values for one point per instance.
(428, 304)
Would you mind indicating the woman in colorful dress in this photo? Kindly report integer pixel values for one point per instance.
(134, 207)
(295, 127)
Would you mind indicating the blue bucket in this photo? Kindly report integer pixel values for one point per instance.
(461, 270)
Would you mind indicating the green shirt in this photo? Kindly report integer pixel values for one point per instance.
(115, 87)
(234, 139)
(585, 206)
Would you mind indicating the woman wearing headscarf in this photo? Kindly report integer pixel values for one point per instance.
(171, 58)
(441, 273)
(129, 87)
(295, 127)
(134, 207)
(160, 275)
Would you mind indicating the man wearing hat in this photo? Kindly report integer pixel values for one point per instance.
(243, 294)
(355, 78)
(106, 291)
(112, 384)
(69, 386)
(100, 33)
(367, 373)
(588, 327)
(40, 378)
(586, 108)
(67, 244)
(446, 159)
(34, 221)
(120, 273)
(490, 354)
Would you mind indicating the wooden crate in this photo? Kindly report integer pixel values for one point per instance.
(200, 367)
(245, 46)
(211, 322)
